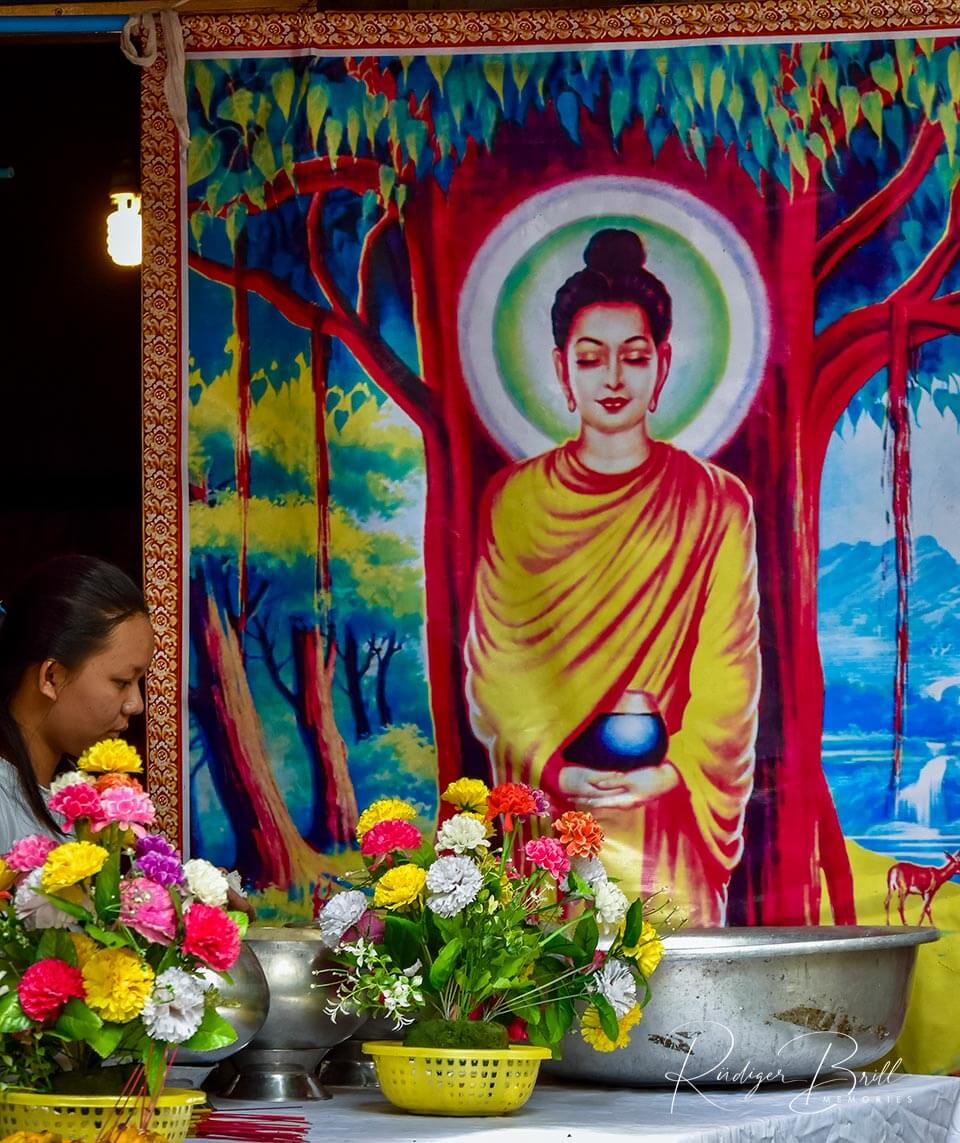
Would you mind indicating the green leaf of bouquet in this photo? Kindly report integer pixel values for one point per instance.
(106, 890)
(104, 936)
(586, 934)
(12, 1016)
(56, 943)
(155, 1066)
(77, 1021)
(106, 1039)
(608, 1018)
(577, 886)
(634, 925)
(442, 968)
(214, 1032)
(402, 940)
(241, 919)
(77, 911)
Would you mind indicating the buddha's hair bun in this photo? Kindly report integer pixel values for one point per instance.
(615, 253)
(614, 271)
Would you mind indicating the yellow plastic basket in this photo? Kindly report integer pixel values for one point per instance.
(85, 1116)
(454, 1081)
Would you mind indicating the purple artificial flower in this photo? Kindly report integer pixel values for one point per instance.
(541, 800)
(160, 864)
(155, 843)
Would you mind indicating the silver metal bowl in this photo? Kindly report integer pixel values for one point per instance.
(761, 1005)
(279, 1062)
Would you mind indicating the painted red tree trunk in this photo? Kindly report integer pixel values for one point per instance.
(270, 849)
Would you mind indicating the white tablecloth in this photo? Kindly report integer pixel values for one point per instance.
(915, 1109)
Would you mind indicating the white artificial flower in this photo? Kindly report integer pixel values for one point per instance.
(617, 985)
(339, 914)
(71, 778)
(362, 951)
(234, 882)
(38, 911)
(454, 883)
(205, 882)
(611, 903)
(591, 869)
(402, 995)
(174, 1009)
(462, 834)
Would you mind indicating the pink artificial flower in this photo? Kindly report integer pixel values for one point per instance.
(78, 800)
(547, 853)
(128, 807)
(370, 927)
(211, 936)
(145, 907)
(29, 852)
(46, 986)
(388, 835)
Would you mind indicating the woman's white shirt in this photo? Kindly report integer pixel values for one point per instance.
(16, 818)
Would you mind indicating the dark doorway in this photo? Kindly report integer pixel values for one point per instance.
(70, 452)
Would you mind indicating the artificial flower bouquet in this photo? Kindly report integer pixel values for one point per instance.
(107, 939)
(475, 943)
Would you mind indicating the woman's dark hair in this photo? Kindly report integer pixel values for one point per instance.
(613, 272)
(65, 610)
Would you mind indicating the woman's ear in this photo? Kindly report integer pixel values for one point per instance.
(50, 678)
(560, 367)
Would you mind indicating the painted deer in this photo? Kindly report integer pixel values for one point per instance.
(905, 878)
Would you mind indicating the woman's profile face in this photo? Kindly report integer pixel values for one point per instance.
(99, 697)
(611, 367)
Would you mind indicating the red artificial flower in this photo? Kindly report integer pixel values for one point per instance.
(211, 936)
(388, 835)
(46, 986)
(80, 800)
(580, 833)
(510, 798)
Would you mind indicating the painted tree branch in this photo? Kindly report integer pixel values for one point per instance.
(309, 177)
(849, 233)
(370, 241)
(259, 631)
(842, 361)
(383, 366)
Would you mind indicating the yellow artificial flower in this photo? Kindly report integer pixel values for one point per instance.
(118, 983)
(70, 863)
(593, 1033)
(467, 794)
(382, 810)
(84, 947)
(648, 951)
(111, 756)
(400, 887)
(7, 878)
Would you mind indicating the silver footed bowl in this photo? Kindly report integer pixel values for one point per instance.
(761, 1005)
(279, 1061)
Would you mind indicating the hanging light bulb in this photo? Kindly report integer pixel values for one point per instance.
(124, 231)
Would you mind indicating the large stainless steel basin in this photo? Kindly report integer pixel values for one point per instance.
(742, 1006)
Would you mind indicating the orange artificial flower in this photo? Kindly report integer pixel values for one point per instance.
(110, 781)
(510, 798)
(580, 833)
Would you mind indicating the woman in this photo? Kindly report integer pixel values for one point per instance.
(618, 572)
(75, 643)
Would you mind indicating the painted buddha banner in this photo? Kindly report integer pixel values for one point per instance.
(586, 417)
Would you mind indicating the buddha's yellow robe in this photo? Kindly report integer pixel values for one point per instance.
(590, 584)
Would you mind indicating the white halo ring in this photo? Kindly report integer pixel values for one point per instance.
(703, 227)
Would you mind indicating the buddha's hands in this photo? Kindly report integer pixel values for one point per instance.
(614, 789)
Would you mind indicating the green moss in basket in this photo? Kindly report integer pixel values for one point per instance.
(481, 1034)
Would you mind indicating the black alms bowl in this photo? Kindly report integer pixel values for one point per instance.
(620, 742)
